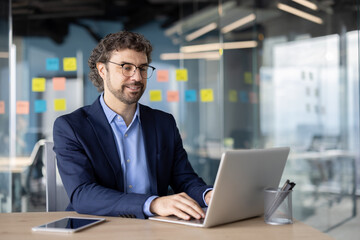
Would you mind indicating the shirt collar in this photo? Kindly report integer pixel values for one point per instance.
(110, 114)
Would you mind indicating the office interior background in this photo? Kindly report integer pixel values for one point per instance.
(236, 74)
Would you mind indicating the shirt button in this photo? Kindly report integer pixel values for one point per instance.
(128, 160)
(118, 117)
(130, 186)
(125, 135)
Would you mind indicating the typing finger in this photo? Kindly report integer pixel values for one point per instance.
(190, 206)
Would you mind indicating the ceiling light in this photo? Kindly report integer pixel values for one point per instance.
(217, 46)
(307, 4)
(201, 31)
(238, 23)
(299, 13)
(203, 55)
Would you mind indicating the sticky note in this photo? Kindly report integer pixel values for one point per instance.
(155, 95)
(244, 97)
(206, 95)
(253, 97)
(52, 64)
(172, 96)
(2, 107)
(60, 104)
(38, 84)
(162, 75)
(181, 75)
(69, 64)
(248, 77)
(59, 83)
(190, 96)
(233, 96)
(40, 106)
(22, 107)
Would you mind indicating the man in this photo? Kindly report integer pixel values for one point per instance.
(117, 157)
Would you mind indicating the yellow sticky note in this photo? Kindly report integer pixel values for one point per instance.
(69, 64)
(60, 104)
(155, 95)
(181, 75)
(38, 84)
(233, 97)
(248, 77)
(206, 95)
(22, 107)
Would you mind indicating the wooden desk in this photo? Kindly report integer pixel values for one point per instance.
(18, 226)
(16, 165)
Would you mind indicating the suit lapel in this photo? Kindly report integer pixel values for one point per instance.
(105, 137)
(150, 140)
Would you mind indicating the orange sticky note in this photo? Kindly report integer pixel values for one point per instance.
(253, 97)
(22, 107)
(60, 104)
(59, 83)
(38, 84)
(2, 107)
(162, 75)
(172, 96)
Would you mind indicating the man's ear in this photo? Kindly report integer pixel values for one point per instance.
(101, 69)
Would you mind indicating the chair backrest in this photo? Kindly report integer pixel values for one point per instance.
(56, 196)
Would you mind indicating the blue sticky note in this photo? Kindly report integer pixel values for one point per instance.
(52, 64)
(40, 106)
(244, 97)
(190, 96)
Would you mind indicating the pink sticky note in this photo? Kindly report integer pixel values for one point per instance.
(257, 79)
(172, 96)
(59, 83)
(2, 107)
(253, 97)
(22, 107)
(162, 75)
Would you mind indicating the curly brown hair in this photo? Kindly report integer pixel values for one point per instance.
(112, 42)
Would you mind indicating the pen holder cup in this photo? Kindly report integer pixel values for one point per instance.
(277, 206)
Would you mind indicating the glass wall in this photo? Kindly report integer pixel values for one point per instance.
(235, 74)
(5, 170)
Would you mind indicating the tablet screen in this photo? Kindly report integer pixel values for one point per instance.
(68, 224)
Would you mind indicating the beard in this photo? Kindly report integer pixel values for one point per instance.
(127, 98)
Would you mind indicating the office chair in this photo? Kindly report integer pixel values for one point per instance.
(56, 196)
(33, 186)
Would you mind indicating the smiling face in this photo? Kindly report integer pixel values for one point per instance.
(117, 87)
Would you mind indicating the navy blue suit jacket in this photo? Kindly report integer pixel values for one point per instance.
(90, 167)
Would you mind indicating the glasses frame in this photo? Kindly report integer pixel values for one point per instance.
(136, 67)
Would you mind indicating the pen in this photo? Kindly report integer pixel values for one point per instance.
(279, 198)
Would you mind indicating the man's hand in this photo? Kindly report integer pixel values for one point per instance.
(208, 197)
(180, 205)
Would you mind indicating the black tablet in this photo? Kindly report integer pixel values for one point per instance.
(68, 224)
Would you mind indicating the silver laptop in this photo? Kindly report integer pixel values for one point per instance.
(238, 190)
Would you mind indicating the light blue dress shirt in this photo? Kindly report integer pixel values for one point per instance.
(130, 145)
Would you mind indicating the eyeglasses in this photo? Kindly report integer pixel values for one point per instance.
(129, 69)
